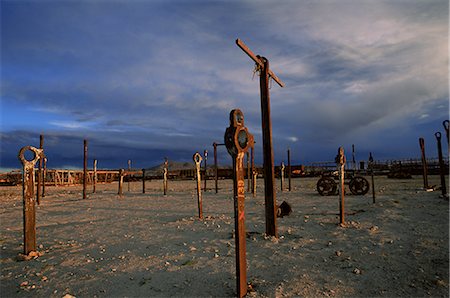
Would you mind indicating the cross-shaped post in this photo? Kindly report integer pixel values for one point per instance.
(269, 175)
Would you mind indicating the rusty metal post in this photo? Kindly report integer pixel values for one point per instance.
(44, 177)
(143, 180)
(85, 173)
(248, 172)
(216, 172)
(255, 176)
(39, 182)
(340, 161)
(289, 168)
(198, 160)
(282, 167)
(252, 157)
(370, 165)
(120, 192)
(441, 164)
(269, 178)
(205, 154)
(166, 171)
(95, 176)
(29, 208)
(424, 163)
(129, 176)
(238, 140)
(446, 128)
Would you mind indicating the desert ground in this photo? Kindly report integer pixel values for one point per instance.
(151, 245)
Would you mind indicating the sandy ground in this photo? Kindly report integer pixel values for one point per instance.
(153, 245)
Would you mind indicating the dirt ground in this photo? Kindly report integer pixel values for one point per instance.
(146, 245)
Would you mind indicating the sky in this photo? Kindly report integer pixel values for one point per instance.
(147, 79)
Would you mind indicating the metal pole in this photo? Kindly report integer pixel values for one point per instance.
(198, 160)
(289, 168)
(120, 192)
(205, 154)
(216, 174)
(95, 176)
(371, 174)
(255, 176)
(441, 164)
(29, 208)
(269, 175)
(252, 157)
(353, 158)
(282, 176)
(446, 128)
(143, 180)
(340, 161)
(238, 140)
(85, 168)
(424, 163)
(39, 182)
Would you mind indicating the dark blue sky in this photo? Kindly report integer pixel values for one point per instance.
(146, 79)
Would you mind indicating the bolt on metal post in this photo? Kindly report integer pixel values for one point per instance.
(424, 163)
(441, 164)
(198, 160)
(238, 140)
(340, 162)
(371, 174)
(29, 199)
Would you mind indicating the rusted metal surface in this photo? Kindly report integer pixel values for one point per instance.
(94, 182)
(120, 192)
(143, 180)
(197, 161)
(424, 163)
(40, 176)
(29, 199)
(205, 154)
(255, 176)
(166, 171)
(340, 162)
(441, 164)
(358, 185)
(282, 167)
(446, 128)
(238, 140)
(85, 173)
(289, 169)
(371, 174)
(269, 177)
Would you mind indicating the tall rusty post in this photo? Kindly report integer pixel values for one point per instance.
(143, 180)
(44, 177)
(238, 140)
(29, 208)
(39, 182)
(205, 154)
(282, 167)
(166, 171)
(198, 160)
(129, 175)
(370, 165)
(85, 173)
(120, 192)
(255, 176)
(424, 163)
(289, 168)
(262, 65)
(216, 172)
(445, 123)
(340, 161)
(252, 157)
(248, 172)
(353, 158)
(94, 179)
(441, 164)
